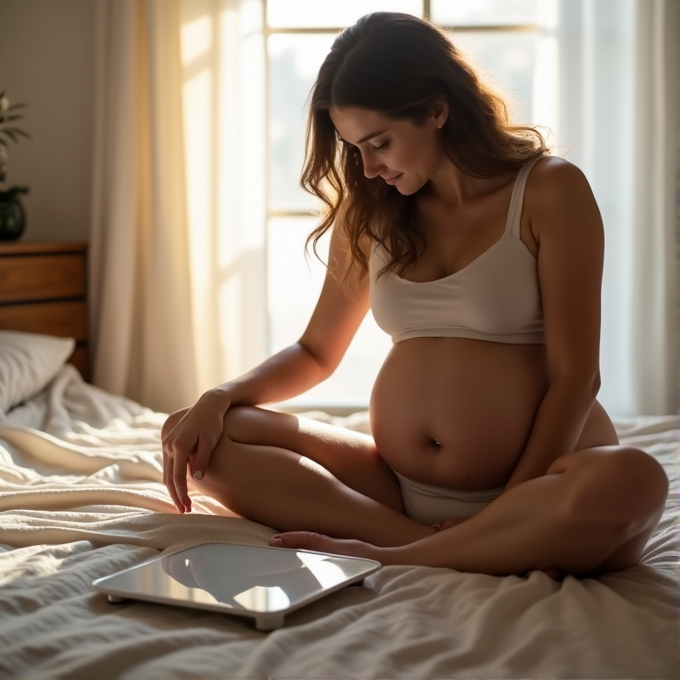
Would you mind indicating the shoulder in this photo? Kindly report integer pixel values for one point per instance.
(553, 178)
(558, 192)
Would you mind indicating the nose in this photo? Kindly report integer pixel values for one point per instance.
(372, 167)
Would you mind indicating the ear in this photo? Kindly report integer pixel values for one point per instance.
(440, 113)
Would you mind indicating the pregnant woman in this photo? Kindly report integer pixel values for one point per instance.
(481, 255)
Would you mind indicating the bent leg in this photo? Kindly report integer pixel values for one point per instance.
(294, 474)
(594, 510)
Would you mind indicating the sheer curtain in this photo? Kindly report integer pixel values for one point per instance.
(177, 267)
(140, 306)
(224, 106)
(617, 113)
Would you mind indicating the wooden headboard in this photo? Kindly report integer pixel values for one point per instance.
(43, 289)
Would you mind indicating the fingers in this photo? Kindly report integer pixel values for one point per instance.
(167, 480)
(169, 426)
(189, 437)
(309, 540)
(298, 539)
(175, 460)
(201, 458)
(178, 482)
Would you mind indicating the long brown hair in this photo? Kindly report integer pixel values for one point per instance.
(401, 66)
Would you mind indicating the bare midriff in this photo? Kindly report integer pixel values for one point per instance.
(457, 413)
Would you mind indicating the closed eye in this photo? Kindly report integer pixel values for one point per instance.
(382, 147)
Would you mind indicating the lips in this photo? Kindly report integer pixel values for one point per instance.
(392, 180)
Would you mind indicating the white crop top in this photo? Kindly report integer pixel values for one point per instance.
(495, 298)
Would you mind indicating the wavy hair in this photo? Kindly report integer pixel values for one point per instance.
(401, 66)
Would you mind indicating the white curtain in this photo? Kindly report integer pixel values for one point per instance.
(178, 271)
(140, 305)
(617, 112)
(224, 105)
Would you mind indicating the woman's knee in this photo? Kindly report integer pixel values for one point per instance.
(172, 420)
(253, 425)
(624, 485)
(243, 426)
(237, 422)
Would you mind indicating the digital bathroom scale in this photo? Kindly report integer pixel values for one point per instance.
(261, 583)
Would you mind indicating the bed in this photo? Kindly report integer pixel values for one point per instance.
(81, 497)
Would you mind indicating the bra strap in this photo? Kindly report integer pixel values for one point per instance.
(517, 199)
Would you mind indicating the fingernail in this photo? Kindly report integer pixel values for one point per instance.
(276, 541)
(198, 475)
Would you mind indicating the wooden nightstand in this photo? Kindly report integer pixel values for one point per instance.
(43, 289)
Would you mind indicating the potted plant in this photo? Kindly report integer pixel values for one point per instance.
(12, 216)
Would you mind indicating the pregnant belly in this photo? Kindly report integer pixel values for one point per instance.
(455, 412)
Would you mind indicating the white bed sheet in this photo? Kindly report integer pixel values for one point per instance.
(81, 496)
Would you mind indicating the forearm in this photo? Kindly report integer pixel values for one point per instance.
(557, 427)
(286, 374)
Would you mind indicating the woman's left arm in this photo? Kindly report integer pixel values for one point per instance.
(567, 225)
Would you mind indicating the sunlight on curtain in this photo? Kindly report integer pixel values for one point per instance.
(223, 92)
(139, 278)
(618, 102)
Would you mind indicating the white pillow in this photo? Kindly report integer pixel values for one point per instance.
(28, 361)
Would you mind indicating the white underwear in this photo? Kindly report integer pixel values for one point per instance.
(428, 504)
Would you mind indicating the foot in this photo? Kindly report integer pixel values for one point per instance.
(555, 574)
(309, 540)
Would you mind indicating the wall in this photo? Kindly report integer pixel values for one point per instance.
(47, 61)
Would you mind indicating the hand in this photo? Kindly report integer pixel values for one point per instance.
(309, 540)
(189, 437)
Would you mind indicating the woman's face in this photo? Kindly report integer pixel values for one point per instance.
(402, 153)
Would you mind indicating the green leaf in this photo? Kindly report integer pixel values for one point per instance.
(19, 132)
(10, 134)
(18, 106)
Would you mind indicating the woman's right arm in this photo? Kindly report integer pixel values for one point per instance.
(194, 433)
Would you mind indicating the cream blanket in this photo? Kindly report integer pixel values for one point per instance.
(81, 497)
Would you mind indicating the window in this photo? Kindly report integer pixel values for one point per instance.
(501, 36)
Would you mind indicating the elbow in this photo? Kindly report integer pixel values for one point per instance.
(585, 383)
(596, 383)
(323, 365)
(590, 383)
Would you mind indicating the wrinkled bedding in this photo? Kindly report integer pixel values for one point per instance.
(81, 497)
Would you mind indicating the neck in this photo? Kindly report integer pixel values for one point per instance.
(451, 188)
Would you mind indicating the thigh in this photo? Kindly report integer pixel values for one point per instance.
(620, 481)
(349, 456)
(622, 487)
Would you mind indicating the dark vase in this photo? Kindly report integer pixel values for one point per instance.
(12, 215)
